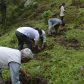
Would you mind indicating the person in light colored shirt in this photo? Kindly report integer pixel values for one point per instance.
(62, 10)
(25, 34)
(54, 23)
(13, 58)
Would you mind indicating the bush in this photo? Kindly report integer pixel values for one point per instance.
(46, 15)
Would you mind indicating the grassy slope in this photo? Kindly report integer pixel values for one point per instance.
(56, 63)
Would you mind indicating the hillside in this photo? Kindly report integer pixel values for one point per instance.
(62, 61)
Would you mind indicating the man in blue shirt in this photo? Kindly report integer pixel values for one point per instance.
(54, 23)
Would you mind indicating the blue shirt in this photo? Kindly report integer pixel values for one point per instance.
(54, 21)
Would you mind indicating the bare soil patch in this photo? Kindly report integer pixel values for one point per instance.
(73, 43)
(29, 80)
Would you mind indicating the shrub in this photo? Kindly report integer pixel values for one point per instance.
(46, 15)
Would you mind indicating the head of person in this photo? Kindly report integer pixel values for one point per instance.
(39, 30)
(63, 4)
(26, 54)
(41, 33)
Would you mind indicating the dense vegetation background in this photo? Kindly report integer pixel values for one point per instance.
(62, 61)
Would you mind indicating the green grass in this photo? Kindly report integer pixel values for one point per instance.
(56, 63)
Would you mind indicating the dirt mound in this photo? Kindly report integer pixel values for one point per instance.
(27, 79)
(74, 43)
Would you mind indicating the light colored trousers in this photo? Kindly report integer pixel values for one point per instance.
(49, 27)
(14, 72)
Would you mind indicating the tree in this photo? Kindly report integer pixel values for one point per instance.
(3, 12)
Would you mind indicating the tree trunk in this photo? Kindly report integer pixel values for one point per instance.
(3, 11)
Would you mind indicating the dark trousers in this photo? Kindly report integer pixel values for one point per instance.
(62, 18)
(23, 39)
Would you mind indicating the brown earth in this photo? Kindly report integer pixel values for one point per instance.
(73, 43)
(27, 79)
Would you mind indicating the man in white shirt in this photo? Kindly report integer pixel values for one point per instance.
(62, 10)
(12, 58)
(25, 34)
(54, 23)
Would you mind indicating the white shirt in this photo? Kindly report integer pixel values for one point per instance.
(32, 33)
(29, 32)
(62, 11)
(44, 36)
(8, 55)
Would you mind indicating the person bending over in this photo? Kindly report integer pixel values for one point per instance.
(26, 34)
(13, 58)
(54, 23)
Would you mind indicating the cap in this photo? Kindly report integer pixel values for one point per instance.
(27, 53)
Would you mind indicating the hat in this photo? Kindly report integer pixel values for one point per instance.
(27, 53)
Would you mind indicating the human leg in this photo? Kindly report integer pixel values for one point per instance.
(49, 27)
(57, 28)
(62, 18)
(27, 41)
(14, 71)
(20, 44)
(20, 40)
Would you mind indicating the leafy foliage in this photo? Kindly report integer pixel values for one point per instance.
(47, 14)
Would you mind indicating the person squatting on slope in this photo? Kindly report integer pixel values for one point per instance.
(27, 34)
(13, 58)
(56, 24)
